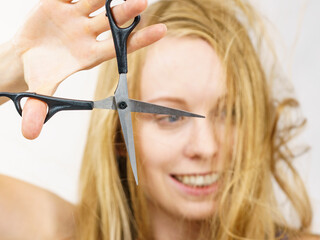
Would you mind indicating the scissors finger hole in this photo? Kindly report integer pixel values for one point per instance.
(23, 102)
(34, 103)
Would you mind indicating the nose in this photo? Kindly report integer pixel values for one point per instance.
(202, 141)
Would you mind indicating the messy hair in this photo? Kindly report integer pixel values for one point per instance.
(247, 206)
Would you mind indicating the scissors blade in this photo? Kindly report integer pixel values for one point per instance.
(124, 112)
(107, 103)
(127, 130)
(144, 107)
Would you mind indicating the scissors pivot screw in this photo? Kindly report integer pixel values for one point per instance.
(122, 105)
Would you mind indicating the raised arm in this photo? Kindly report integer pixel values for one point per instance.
(59, 39)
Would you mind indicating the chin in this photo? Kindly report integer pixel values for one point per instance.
(197, 210)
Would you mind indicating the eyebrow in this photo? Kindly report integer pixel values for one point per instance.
(181, 101)
(168, 99)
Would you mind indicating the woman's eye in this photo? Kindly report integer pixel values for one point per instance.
(168, 118)
(169, 121)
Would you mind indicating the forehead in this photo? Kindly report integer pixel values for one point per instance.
(184, 68)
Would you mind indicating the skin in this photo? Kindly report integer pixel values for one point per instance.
(29, 212)
(39, 214)
(173, 77)
(65, 33)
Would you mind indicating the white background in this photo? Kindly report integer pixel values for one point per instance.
(53, 160)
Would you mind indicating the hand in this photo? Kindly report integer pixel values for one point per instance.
(59, 39)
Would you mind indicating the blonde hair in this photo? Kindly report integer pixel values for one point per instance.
(247, 204)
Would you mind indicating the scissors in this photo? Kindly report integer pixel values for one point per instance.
(119, 102)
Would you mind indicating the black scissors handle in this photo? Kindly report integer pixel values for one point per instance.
(54, 104)
(120, 37)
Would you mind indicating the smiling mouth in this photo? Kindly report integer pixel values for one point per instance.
(197, 180)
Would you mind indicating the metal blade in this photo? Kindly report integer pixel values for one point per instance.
(144, 107)
(124, 112)
(107, 103)
(126, 125)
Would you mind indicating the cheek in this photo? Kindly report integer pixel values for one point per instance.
(157, 149)
(158, 156)
(152, 149)
(153, 155)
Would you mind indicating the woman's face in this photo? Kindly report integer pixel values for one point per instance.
(180, 157)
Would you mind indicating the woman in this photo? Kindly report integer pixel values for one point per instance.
(199, 178)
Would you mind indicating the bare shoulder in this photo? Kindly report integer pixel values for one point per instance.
(311, 237)
(308, 237)
(30, 212)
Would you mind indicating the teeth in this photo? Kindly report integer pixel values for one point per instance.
(198, 180)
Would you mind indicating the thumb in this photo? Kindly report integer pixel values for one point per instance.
(34, 113)
(33, 117)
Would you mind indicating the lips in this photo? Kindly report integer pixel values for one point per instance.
(197, 180)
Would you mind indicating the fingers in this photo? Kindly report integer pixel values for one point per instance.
(105, 49)
(123, 13)
(33, 116)
(99, 24)
(146, 37)
(128, 10)
(89, 6)
(86, 7)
